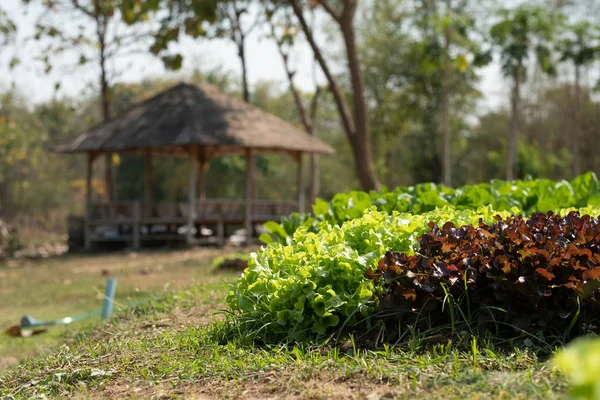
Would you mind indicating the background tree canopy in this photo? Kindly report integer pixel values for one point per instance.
(400, 99)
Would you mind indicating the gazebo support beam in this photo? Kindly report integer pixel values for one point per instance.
(87, 230)
(249, 193)
(202, 164)
(192, 195)
(300, 183)
(148, 183)
(109, 185)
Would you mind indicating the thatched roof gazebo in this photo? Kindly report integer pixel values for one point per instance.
(198, 122)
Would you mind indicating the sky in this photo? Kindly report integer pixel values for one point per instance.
(264, 63)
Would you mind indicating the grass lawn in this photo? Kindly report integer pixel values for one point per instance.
(172, 345)
(75, 284)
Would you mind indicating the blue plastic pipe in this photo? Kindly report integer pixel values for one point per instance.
(109, 297)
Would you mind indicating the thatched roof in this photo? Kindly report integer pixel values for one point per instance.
(187, 115)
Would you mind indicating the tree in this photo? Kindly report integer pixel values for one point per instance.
(420, 63)
(451, 51)
(355, 123)
(459, 49)
(522, 31)
(231, 19)
(99, 39)
(580, 47)
(198, 17)
(383, 46)
(284, 39)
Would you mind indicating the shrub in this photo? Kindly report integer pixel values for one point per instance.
(518, 274)
(231, 262)
(9, 240)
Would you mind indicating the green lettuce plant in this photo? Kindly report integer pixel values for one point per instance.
(526, 196)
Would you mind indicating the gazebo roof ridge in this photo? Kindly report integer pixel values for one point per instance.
(190, 114)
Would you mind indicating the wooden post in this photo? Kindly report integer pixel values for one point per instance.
(87, 229)
(148, 184)
(136, 225)
(221, 232)
(202, 164)
(192, 194)
(300, 183)
(249, 194)
(109, 177)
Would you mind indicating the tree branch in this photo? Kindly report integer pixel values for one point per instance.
(81, 8)
(125, 41)
(327, 7)
(299, 104)
(313, 107)
(345, 116)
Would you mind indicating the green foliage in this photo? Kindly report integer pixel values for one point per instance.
(197, 19)
(7, 27)
(95, 33)
(527, 196)
(580, 44)
(580, 361)
(435, 48)
(27, 172)
(315, 285)
(522, 30)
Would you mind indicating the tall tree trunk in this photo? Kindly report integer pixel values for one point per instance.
(577, 123)
(239, 37)
(315, 180)
(108, 162)
(363, 152)
(309, 122)
(314, 158)
(242, 55)
(104, 95)
(446, 163)
(514, 125)
(355, 128)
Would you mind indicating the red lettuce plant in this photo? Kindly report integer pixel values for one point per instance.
(516, 275)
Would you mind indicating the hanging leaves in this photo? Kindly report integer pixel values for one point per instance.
(462, 63)
(173, 62)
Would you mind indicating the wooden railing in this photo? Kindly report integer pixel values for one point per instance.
(114, 211)
(236, 209)
(115, 219)
(124, 219)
